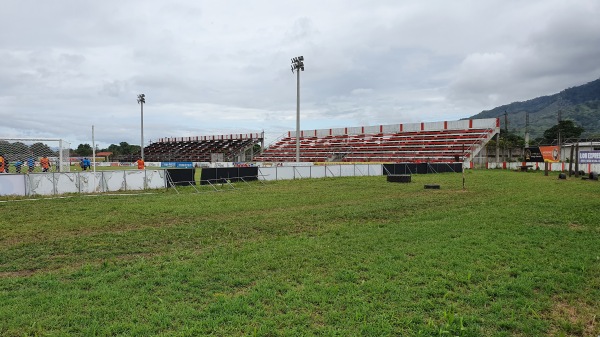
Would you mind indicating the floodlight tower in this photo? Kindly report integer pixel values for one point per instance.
(141, 99)
(298, 65)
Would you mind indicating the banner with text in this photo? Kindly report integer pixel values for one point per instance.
(533, 154)
(551, 154)
(589, 157)
(177, 164)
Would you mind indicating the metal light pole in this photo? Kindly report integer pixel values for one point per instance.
(298, 65)
(141, 99)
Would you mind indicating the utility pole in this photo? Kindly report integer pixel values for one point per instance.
(505, 134)
(577, 159)
(498, 147)
(559, 128)
(527, 129)
(463, 167)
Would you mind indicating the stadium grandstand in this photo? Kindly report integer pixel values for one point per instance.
(235, 147)
(441, 142)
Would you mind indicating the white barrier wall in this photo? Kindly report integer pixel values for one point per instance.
(66, 183)
(80, 182)
(302, 172)
(12, 184)
(114, 181)
(135, 181)
(90, 182)
(318, 171)
(156, 179)
(40, 183)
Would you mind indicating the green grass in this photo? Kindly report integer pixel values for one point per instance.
(515, 254)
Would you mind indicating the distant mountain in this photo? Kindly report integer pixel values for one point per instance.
(580, 104)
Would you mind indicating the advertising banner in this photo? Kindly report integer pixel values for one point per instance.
(184, 165)
(589, 157)
(533, 154)
(177, 164)
(549, 154)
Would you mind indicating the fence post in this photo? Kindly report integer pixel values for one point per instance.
(571, 160)
(577, 160)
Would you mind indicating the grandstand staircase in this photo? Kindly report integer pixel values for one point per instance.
(237, 151)
(338, 156)
(479, 145)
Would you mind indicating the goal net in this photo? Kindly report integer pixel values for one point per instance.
(24, 155)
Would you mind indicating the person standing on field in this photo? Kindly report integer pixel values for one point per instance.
(45, 163)
(2, 163)
(18, 165)
(140, 164)
(30, 164)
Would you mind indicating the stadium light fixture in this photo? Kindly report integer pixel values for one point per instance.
(141, 99)
(298, 65)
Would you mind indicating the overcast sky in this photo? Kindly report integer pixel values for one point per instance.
(222, 67)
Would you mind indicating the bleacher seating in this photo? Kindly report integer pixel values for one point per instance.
(425, 142)
(200, 149)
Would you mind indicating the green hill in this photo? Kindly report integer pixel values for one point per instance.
(580, 104)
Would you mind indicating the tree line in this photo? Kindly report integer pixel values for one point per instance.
(567, 130)
(21, 150)
(123, 148)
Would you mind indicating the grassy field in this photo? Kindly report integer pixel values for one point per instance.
(515, 254)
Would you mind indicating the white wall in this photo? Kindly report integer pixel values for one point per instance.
(80, 182)
(318, 171)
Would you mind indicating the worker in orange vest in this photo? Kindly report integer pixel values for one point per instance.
(2, 163)
(140, 164)
(45, 163)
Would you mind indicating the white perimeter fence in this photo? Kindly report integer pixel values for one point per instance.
(136, 180)
(318, 171)
(81, 182)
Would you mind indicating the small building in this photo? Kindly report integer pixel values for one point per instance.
(583, 147)
(105, 155)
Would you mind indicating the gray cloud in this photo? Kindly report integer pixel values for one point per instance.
(559, 50)
(218, 68)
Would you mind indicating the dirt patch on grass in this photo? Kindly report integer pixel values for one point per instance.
(242, 290)
(18, 273)
(552, 224)
(574, 319)
(576, 227)
(73, 265)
